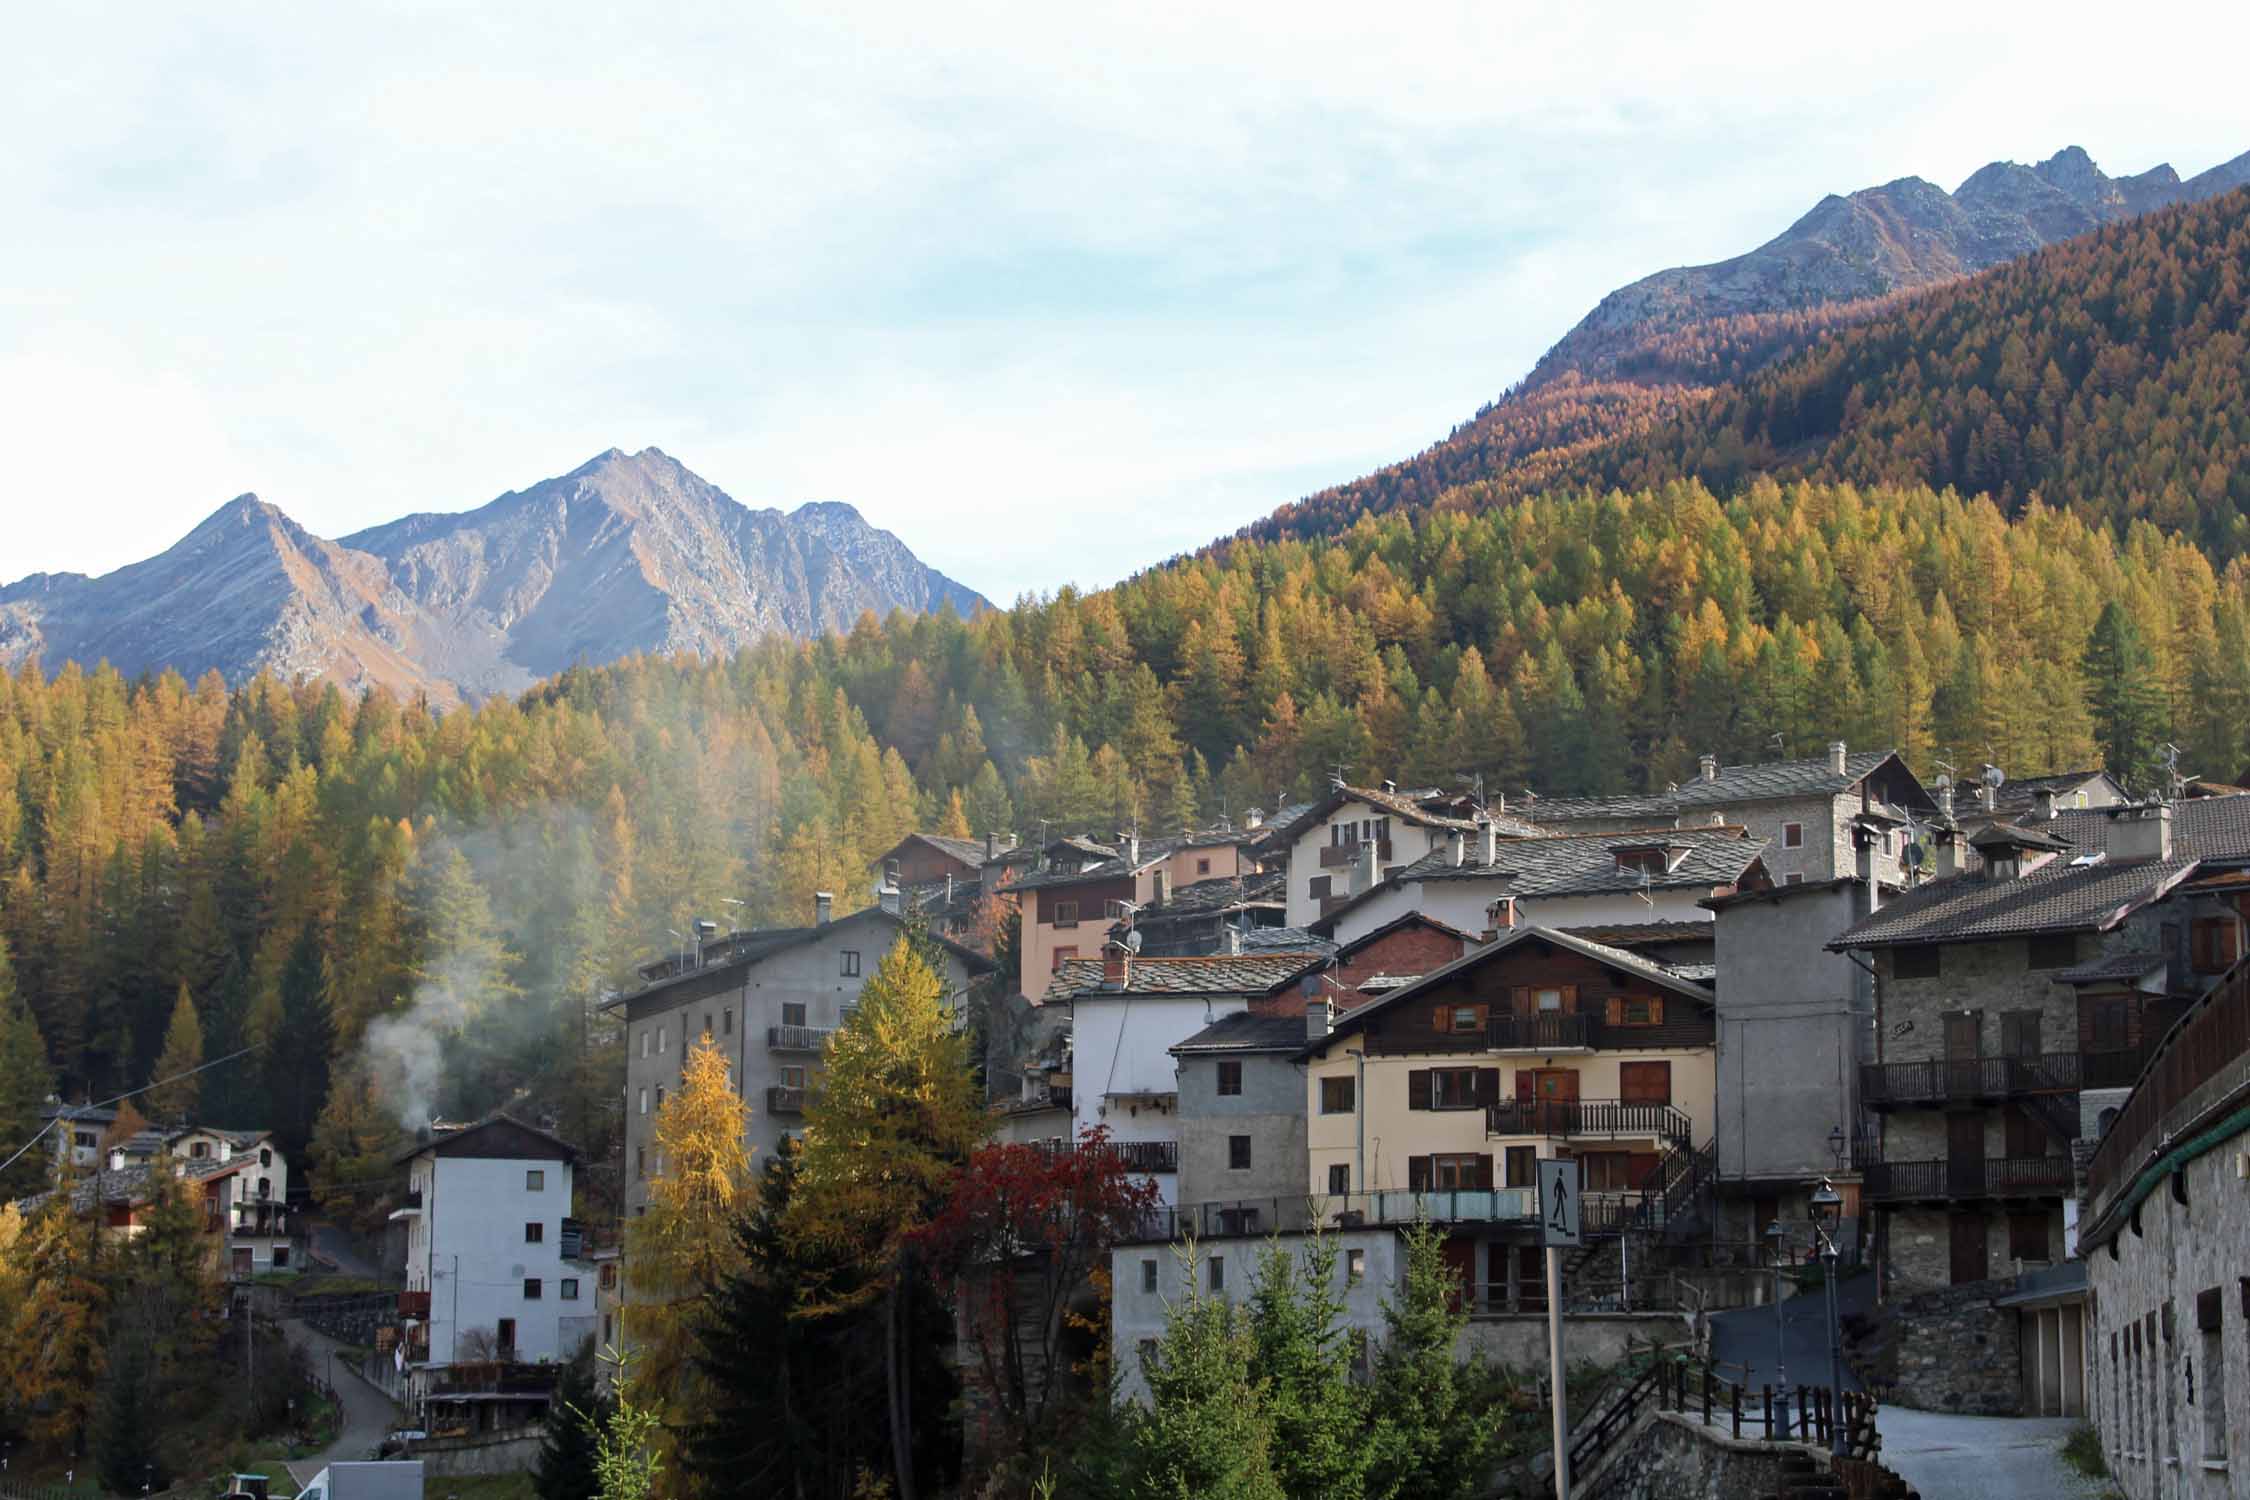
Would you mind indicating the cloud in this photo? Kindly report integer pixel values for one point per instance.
(1049, 291)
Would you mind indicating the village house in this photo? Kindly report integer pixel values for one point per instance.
(1568, 880)
(1388, 957)
(1354, 837)
(1242, 1119)
(1446, 1093)
(769, 1000)
(944, 880)
(2163, 1368)
(1082, 888)
(1803, 811)
(239, 1178)
(1207, 916)
(495, 1271)
(1129, 1012)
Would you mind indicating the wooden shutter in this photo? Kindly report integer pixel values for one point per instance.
(1418, 1089)
(1488, 1088)
(1519, 1000)
(1526, 1085)
(1484, 1174)
(1417, 1174)
(1441, 1019)
(1615, 1014)
(1570, 999)
(1656, 1010)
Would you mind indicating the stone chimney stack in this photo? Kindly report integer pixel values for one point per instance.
(991, 846)
(1233, 948)
(2043, 804)
(1117, 966)
(2141, 831)
(1836, 755)
(1488, 841)
(1317, 1021)
(1460, 849)
(1132, 850)
(1708, 768)
(823, 907)
(1163, 885)
(1254, 818)
(1944, 793)
(1988, 796)
(1499, 803)
(117, 1158)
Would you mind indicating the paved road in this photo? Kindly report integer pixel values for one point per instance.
(340, 1250)
(368, 1413)
(1748, 1336)
(1982, 1458)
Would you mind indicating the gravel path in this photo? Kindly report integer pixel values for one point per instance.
(1982, 1458)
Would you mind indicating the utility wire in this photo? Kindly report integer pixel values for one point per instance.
(128, 1094)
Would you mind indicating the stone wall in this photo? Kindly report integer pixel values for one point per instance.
(1953, 1350)
(501, 1453)
(1673, 1457)
(1519, 1340)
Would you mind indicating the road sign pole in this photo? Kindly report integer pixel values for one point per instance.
(1556, 1367)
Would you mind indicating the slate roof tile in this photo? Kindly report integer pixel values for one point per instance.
(2059, 896)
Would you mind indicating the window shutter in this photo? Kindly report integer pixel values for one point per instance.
(1417, 1174)
(1519, 1000)
(2224, 944)
(1484, 1174)
(1418, 1089)
(1441, 1019)
(1616, 1011)
(1526, 1086)
(1656, 1011)
(1570, 999)
(1488, 1087)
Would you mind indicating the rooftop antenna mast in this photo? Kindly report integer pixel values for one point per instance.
(2175, 784)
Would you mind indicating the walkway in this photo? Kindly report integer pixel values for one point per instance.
(1982, 1458)
(1747, 1336)
(368, 1413)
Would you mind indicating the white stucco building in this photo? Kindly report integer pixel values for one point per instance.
(492, 1255)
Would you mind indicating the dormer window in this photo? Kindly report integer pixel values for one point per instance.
(1648, 859)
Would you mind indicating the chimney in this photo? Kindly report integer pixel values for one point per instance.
(226, 1149)
(890, 898)
(1460, 848)
(1499, 803)
(1945, 847)
(1254, 818)
(1132, 850)
(1117, 966)
(2141, 831)
(1502, 914)
(117, 1158)
(1944, 790)
(1988, 796)
(1316, 1019)
(1836, 754)
(1163, 886)
(1233, 947)
(1365, 870)
(1708, 768)
(991, 846)
(823, 906)
(1488, 841)
(2043, 804)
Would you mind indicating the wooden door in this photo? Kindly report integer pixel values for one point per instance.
(1964, 1043)
(1964, 1155)
(1531, 1278)
(1461, 1260)
(1969, 1247)
(1557, 1092)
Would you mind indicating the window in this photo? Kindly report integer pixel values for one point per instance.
(2211, 944)
(608, 1279)
(1218, 1273)
(644, 1099)
(1319, 888)
(1644, 1082)
(569, 1292)
(648, 1040)
(1203, 867)
(1550, 1002)
(1523, 1166)
(2054, 950)
(707, 1031)
(793, 1077)
(1355, 1267)
(2027, 1236)
(890, 871)
(660, 1096)
(726, 1021)
(280, 1257)
(265, 1156)
(1638, 1010)
(1148, 1275)
(1063, 956)
(1917, 961)
(1793, 878)
(640, 1161)
(1230, 1076)
(1339, 1179)
(1066, 914)
(531, 1289)
(1339, 1096)
(1460, 1172)
(534, 1180)
(847, 963)
(1453, 1088)
(2210, 1313)
(1459, 1018)
(1238, 1153)
(535, 1233)
(200, 1150)
(792, 1012)
(660, 1039)
(1792, 835)
(1607, 1171)
(2019, 1033)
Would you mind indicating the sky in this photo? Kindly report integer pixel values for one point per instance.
(1051, 291)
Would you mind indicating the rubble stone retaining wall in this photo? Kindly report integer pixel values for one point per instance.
(1957, 1351)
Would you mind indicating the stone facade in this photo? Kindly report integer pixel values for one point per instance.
(1412, 949)
(1674, 1457)
(1956, 1351)
(1269, 1111)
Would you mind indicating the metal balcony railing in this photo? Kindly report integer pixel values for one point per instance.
(798, 1038)
(786, 1101)
(1611, 1118)
(1252, 1217)
(1969, 1079)
(1968, 1177)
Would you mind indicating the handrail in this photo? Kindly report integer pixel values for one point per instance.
(798, 1038)
(2214, 1032)
(1968, 1177)
(1589, 1117)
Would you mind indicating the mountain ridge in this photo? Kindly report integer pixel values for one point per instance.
(625, 553)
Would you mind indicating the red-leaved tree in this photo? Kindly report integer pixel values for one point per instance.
(1020, 1238)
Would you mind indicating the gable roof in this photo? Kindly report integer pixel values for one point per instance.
(1219, 893)
(1476, 958)
(2059, 896)
(1391, 804)
(969, 851)
(1209, 974)
(1767, 781)
(1246, 1031)
(498, 1137)
(2212, 829)
(745, 948)
(1580, 864)
(1407, 919)
(2000, 834)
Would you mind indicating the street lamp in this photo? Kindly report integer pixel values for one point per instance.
(1836, 1145)
(1827, 1212)
(1776, 1238)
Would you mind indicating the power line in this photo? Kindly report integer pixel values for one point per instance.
(128, 1094)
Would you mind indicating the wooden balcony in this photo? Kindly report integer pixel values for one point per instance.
(1972, 1177)
(1344, 856)
(1609, 1119)
(413, 1304)
(1936, 1082)
(1553, 1032)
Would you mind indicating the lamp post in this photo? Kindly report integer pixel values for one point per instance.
(1836, 1145)
(1827, 1209)
(1776, 1237)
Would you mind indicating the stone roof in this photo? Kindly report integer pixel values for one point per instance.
(1645, 934)
(1286, 940)
(1768, 781)
(135, 1182)
(2115, 966)
(2206, 828)
(1220, 893)
(1247, 1031)
(1999, 834)
(1393, 804)
(1209, 974)
(2059, 896)
(969, 851)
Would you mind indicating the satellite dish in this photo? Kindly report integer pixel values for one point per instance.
(1994, 777)
(1133, 941)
